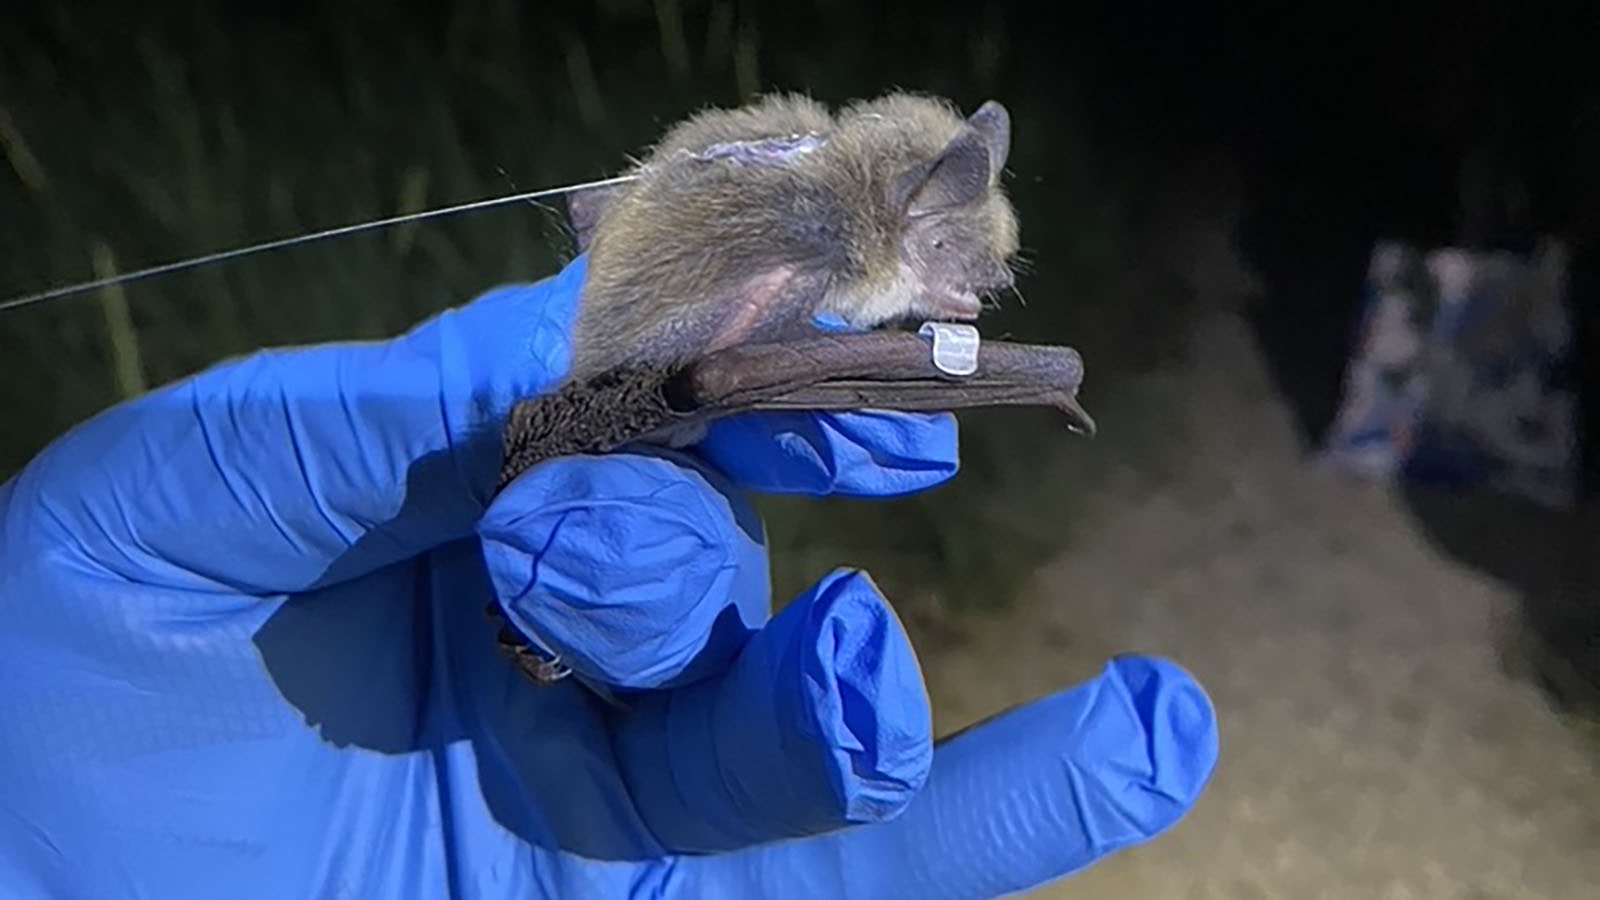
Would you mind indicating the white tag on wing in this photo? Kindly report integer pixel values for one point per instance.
(955, 346)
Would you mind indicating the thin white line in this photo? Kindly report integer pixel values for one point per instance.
(55, 293)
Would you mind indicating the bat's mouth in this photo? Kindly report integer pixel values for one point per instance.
(964, 306)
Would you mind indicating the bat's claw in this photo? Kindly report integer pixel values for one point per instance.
(1078, 418)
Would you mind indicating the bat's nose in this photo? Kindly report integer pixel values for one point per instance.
(997, 279)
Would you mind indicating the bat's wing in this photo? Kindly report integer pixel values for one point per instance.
(870, 370)
(880, 370)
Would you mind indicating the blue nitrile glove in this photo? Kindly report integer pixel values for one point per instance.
(243, 653)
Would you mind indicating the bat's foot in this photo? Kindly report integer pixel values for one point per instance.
(512, 644)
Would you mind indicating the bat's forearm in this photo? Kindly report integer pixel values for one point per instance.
(874, 370)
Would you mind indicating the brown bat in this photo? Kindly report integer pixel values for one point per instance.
(764, 257)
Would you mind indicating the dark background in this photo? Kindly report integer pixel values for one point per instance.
(171, 129)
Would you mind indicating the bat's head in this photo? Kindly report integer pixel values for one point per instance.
(951, 232)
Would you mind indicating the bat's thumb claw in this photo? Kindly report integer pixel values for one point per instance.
(1078, 418)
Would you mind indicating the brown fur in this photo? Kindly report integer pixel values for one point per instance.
(875, 225)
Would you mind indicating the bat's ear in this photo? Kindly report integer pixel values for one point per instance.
(994, 123)
(585, 206)
(957, 177)
(964, 170)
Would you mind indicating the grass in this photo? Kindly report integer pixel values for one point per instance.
(134, 138)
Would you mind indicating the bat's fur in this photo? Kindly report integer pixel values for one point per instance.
(897, 212)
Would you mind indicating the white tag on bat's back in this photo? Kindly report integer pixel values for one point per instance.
(955, 346)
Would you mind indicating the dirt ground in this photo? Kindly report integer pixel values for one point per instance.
(1371, 744)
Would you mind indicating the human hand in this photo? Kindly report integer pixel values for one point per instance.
(242, 649)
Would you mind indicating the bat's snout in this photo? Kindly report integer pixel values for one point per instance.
(996, 280)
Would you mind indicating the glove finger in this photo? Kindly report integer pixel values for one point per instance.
(312, 465)
(1028, 797)
(633, 570)
(863, 454)
(822, 722)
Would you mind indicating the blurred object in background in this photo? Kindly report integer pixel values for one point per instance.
(1460, 377)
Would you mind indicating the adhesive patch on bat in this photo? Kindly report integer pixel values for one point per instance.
(763, 151)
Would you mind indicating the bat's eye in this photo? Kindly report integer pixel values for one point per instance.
(938, 243)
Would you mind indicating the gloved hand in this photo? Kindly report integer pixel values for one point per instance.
(243, 653)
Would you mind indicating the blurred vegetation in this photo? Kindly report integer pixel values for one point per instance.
(135, 134)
